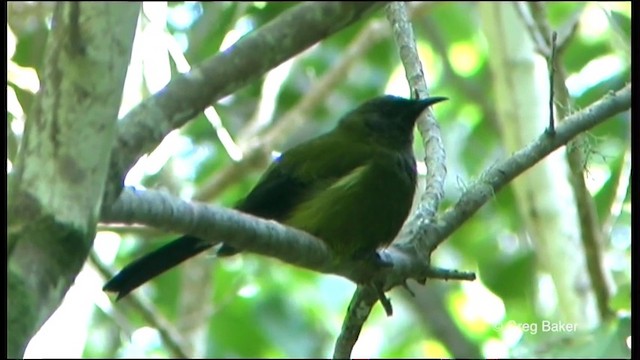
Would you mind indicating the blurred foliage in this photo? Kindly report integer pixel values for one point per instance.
(262, 308)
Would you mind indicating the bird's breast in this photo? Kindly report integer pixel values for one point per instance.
(362, 210)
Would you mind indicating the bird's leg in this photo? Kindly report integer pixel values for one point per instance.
(376, 260)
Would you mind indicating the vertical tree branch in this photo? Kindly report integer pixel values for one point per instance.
(434, 158)
(590, 230)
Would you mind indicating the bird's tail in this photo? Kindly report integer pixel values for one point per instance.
(154, 264)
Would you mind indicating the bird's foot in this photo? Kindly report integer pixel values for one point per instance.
(384, 300)
(375, 258)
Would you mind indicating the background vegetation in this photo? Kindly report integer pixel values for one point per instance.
(251, 306)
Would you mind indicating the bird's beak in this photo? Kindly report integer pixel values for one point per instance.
(432, 100)
(418, 106)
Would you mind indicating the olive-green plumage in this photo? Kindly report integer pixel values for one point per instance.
(351, 187)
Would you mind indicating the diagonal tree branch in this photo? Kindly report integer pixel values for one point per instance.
(496, 177)
(189, 93)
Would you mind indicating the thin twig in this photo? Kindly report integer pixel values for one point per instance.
(621, 184)
(568, 29)
(447, 274)
(592, 234)
(384, 300)
(551, 129)
(540, 42)
(538, 12)
(170, 336)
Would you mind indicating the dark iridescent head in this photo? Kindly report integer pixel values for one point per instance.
(388, 120)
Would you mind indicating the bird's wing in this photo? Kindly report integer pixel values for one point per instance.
(274, 195)
(299, 173)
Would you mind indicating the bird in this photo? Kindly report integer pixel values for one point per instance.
(351, 187)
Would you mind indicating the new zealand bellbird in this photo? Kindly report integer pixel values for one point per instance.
(351, 187)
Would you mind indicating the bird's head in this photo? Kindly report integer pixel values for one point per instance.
(386, 120)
